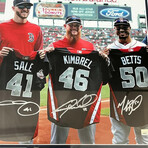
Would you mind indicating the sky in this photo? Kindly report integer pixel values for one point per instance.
(137, 7)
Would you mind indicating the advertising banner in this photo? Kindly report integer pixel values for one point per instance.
(113, 2)
(2, 7)
(111, 13)
(49, 10)
(87, 12)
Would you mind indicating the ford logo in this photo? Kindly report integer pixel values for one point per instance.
(114, 13)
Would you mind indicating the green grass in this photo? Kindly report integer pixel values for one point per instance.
(105, 91)
(104, 94)
(105, 111)
(43, 96)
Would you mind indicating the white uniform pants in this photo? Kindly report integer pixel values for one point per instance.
(121, 132)
(59, 134)
(26, 142)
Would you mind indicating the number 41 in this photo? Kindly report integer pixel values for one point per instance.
(15, 85)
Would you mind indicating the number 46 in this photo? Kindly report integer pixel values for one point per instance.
(80, 83)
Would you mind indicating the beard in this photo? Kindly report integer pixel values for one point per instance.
(123, 37)
(73, 38)
(22, 17)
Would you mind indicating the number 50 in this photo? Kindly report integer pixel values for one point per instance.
(140, 79)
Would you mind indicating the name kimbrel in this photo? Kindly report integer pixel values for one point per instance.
(72, 59)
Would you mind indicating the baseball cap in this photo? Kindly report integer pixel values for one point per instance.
(121, 21)
(73, 19)
(19, 2)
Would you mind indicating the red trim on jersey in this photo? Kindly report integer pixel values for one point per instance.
(135, 49)
(36, 130)
(55, 101)
(1, 60)
(121, 117)
(32, 55)
(81, 46)
(90, 112)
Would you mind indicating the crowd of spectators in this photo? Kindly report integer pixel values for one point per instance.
(99, 37)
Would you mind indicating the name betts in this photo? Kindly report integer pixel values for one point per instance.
(132, 59)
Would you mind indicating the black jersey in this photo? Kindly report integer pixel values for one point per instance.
(21, 79)
(129, 83)
(74, 87)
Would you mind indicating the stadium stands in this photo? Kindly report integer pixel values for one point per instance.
(99, 37)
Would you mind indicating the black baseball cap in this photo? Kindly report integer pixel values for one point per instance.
(73, 19)
(20, 2)
(121, 21)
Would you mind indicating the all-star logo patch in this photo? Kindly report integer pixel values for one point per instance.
(40, 74)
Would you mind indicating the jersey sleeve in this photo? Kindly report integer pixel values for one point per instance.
(39, 42)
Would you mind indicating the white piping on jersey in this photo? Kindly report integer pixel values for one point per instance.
(132, 44)
(115, 111)
(127, 46)
(52, 99)
(95, 110)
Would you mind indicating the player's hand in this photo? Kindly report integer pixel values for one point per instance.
(103, 54)
(49, 49)
(106, 51)
(5, 51)
(42, 54)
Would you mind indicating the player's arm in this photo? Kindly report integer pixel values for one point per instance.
(39, 45)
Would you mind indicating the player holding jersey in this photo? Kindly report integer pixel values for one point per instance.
(75, 87)
(75, 83)
(128, 86)
(21, 35)
(22, 78)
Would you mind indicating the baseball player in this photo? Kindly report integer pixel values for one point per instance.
(70, 80)
(128, 86)
(21, 35)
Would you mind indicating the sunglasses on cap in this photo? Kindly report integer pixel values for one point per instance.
(121, 21)
(73, 19)
(24, 6)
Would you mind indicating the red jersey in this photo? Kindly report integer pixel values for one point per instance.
(24, 37)
(81, 46)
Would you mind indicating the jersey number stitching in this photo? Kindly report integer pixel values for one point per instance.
(15, 85)
(80, 83)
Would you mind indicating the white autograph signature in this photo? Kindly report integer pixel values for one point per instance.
(131, 105)
(22, 103)
(83, 102)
